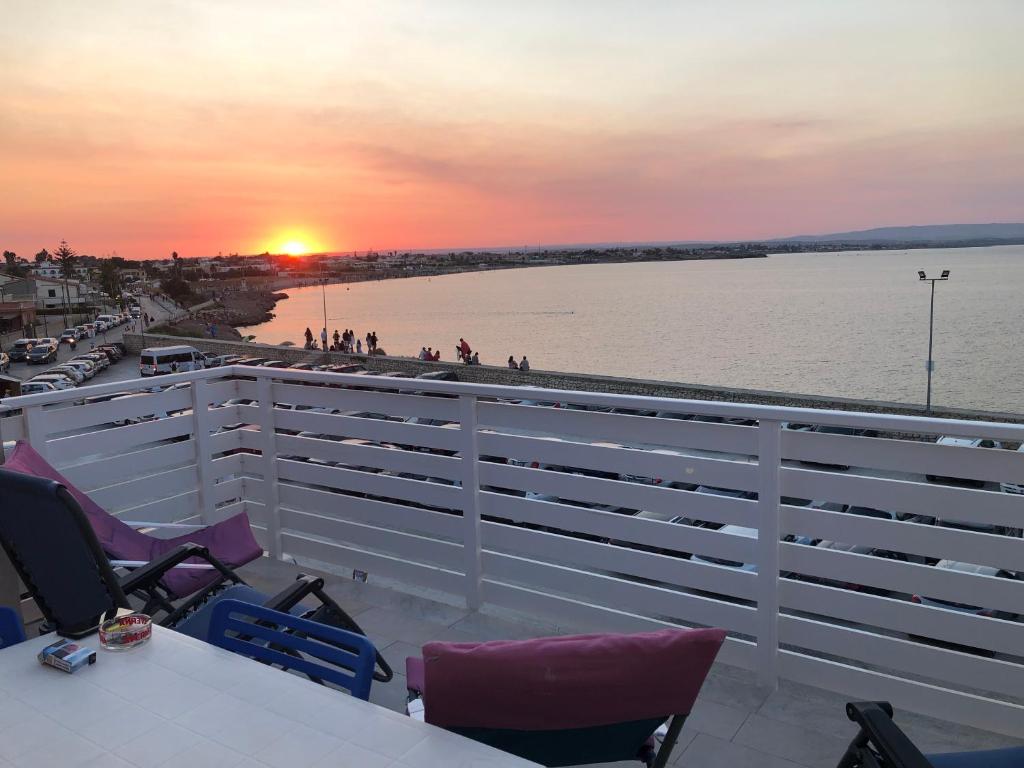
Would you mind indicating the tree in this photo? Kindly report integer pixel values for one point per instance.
(176, 263)
(10, 258)
(66, 257)
(110, 279)
(43, 255)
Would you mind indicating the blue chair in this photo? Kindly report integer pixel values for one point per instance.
(11, 631)
(881, 744)
(322, 652)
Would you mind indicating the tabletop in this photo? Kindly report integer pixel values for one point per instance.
(180, 701)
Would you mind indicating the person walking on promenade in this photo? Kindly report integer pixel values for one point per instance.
(524, 364)
(373, 341)
(512, 363)
(323, 339)
(309, 338)
(337, 339)
(369, 340)
(359, 346)
(464, 348)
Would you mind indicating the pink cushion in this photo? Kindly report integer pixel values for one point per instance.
(231, 541)
(580, 681)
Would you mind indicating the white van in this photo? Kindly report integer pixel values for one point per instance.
(157, 360)
(109, 320)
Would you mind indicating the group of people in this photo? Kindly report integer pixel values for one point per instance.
(343, 342)
(429, 353)
(522, 365)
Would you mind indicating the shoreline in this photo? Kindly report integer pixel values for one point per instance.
(556, 258)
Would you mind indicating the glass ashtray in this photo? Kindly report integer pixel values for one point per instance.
(125, 632)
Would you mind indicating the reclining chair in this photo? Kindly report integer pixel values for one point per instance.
(566, 700)
(229, 541)
(59, 559)
(881, 744)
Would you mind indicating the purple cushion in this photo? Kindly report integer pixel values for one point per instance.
(231, 541)
(580, 681)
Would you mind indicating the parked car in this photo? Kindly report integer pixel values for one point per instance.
(20, 349)
(827, 430)
(977, 610)
(36, 387)
(69, 335)
(253, 361)
(57, 380)
(1015, 487)
(274, 364)
(963, 442)
(301, 366)
(43, 352)
(70, 370)
(100, 360)
(90, 329)
(86, 367)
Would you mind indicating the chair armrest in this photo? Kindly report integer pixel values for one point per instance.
(878, 729)
(140, 563)
(150, 574)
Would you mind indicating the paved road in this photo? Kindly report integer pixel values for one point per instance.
(126, 368)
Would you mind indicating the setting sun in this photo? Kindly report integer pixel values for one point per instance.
(294, 248)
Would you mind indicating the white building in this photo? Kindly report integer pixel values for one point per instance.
(53, 294)
(52, 269)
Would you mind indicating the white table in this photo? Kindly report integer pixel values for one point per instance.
(177, 701)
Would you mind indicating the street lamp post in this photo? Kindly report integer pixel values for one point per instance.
(930, 365)
(323, 291)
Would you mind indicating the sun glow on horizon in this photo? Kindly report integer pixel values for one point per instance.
(294, 248)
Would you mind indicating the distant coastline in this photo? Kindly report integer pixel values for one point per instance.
(262, 294)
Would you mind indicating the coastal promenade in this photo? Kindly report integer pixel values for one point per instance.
(488, 374)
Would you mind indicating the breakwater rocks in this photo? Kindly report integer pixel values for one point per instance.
(242, 308)
(488, 374)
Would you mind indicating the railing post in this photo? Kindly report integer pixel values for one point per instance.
(34, 432)
(204, 454)
(769, 464)
(268, 449)
(470, 499)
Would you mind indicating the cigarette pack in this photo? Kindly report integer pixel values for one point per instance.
(67, 656)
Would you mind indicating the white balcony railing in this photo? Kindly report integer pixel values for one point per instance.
(572, 512)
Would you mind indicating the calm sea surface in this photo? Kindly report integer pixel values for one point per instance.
(851, 324)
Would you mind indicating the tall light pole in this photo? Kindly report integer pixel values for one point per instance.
(323, 291)
(930, 365)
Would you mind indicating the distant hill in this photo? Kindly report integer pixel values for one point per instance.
(926, 233)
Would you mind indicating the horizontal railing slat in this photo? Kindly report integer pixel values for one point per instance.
(911, 578)
(618, 593)
(354, 455)
(618, 561)
(643, 430)
(664, 465)
(895, 495)
(906, 537)
(617, 527)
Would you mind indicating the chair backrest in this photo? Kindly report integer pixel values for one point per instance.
(11, 631)
(567, 700)
(119, 539)
(320, 651)
(57, 555)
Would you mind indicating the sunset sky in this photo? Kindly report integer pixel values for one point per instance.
(241, 125)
